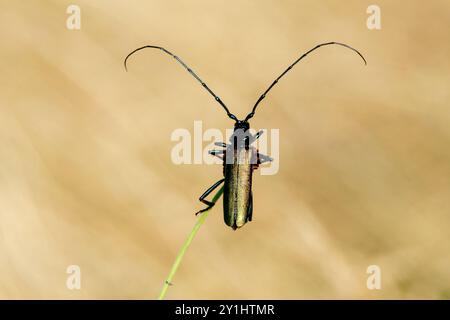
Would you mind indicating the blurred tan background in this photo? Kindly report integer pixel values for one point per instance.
(86, 176)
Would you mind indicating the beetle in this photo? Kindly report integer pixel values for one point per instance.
(239, 157)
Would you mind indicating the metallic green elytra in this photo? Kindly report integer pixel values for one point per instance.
(240, 158)
(238, 170)
(237, 194)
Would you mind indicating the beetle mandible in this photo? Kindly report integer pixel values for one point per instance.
(240, 159)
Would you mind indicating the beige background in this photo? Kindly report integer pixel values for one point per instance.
(86, 176)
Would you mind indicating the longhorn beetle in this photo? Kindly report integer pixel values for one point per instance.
(240, 159)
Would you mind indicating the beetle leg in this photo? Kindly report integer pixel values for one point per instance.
(256, 136)
(221, 144)
(218, 153)
(262, 158)
(206, 193)
(215, 152)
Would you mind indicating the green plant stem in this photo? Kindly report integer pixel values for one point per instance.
(185, 246)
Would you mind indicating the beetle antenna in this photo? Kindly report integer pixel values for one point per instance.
(251, 114)
(230, 115)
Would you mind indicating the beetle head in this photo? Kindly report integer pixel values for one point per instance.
(241, 125)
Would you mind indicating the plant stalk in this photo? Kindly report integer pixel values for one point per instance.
(186, 244)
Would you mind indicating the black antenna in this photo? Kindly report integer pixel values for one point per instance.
(251, 114)
(232, 116)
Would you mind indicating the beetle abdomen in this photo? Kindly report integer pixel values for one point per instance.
(238, 186)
